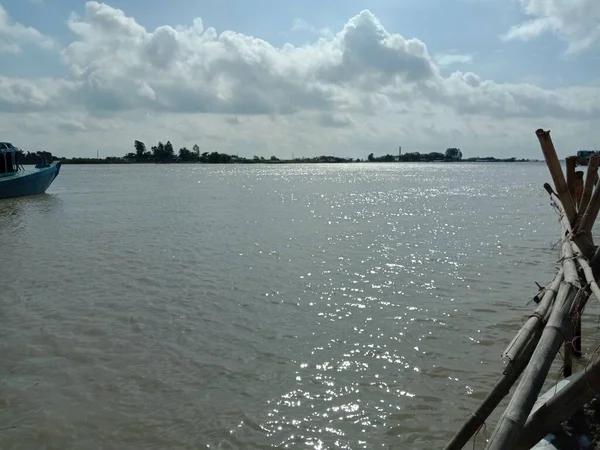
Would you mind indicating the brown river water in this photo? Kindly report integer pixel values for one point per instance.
(293, 306)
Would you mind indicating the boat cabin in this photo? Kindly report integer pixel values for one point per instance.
(8, 159)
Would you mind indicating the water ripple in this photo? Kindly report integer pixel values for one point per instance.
(313, 306)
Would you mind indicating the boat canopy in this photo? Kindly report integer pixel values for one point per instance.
(8, 159)
(7, 147)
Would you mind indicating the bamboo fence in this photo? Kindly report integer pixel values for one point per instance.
(555, 323)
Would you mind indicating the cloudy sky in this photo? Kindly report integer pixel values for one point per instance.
(307, 77)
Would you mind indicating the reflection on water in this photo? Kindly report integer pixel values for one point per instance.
(16, 207)
(321, 306)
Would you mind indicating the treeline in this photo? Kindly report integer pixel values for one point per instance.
(165, 153)
(452, 154)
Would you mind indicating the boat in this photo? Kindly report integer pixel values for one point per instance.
(559, 439)
(583, 156)
(16, 181)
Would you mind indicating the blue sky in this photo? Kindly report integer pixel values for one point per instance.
(470, 30)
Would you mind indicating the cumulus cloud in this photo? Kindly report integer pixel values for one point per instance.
(343, 82)
(576, 21)
(450, 59)
(115, 64)
(13, 35)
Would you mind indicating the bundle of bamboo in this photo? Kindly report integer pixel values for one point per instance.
(555, 322)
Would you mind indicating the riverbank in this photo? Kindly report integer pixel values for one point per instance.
(115, 160)
(165, 154)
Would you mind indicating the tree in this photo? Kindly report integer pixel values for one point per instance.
(140, 149)
(158, 151)
(371, 158)
(435, 156)
(196, 149)
(453, 154)
(187, 155)
(169, 152)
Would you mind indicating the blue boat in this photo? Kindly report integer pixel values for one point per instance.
(16, 181)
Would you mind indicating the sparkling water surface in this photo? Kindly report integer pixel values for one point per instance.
(252, 306)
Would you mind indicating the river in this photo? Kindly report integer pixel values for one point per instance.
(249, 306)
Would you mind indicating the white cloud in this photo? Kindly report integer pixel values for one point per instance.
(450, 59)
(301, 25)
(576, 21)
(361, 87)
(13, 34)
(9, 47)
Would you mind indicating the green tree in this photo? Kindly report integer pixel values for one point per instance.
(453, 154)
(169, 152)
(158, 151)
(196, 150)
(371, 157)
(435, 156)
(187, 155)
(140, 149)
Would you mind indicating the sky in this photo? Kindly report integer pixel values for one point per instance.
(302, 78)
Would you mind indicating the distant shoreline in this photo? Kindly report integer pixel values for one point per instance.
(246, 162)
(165, 154)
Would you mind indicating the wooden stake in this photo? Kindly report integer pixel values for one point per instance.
(509, 427)
(582, 388)
(591, 212)
(595, 261)
(583, 239)
(571, 162)
(577, 336)
(568, 351)
(557, 175)
(590, 180)
(578, 188)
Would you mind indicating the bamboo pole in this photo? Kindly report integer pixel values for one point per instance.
(577, 336)
(568, 350)
(587, 271)
(595, 261)
(584, 239)
(509, 427)
(519, 353)
(591, 212)
(582, 388)
(578, 188)
(570, 270)
(590, 180)
(570, 163)
(576, 313)
(535, 321)
(500, 390)
(557, 175)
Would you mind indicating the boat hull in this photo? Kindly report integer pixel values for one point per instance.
(29, 183)
(559, 440)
